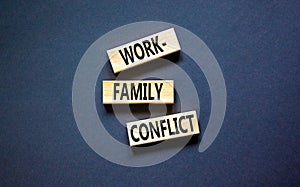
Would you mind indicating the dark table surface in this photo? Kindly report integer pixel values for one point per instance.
(257, 47)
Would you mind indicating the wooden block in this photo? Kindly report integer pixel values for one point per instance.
(138, 92)
(143, 50)
(162, 128)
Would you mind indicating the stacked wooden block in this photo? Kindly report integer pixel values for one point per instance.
(148, 91)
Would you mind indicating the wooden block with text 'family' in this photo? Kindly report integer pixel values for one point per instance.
(162, 128)
(143, 50)
(138, 92)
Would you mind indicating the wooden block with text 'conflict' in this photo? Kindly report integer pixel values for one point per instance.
(143, 50)
(162, 128)
(138, 92)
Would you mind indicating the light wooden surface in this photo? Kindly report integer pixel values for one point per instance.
(161, 91)
(139, 134)
(167, 40)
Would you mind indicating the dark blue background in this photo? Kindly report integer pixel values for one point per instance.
(256, 44)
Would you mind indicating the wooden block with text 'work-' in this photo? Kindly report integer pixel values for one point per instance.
(143, 50)
(162, 128)
(138, 92)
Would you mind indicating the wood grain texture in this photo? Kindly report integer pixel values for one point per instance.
(150, 91)
(165, 127)
(166, 40)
